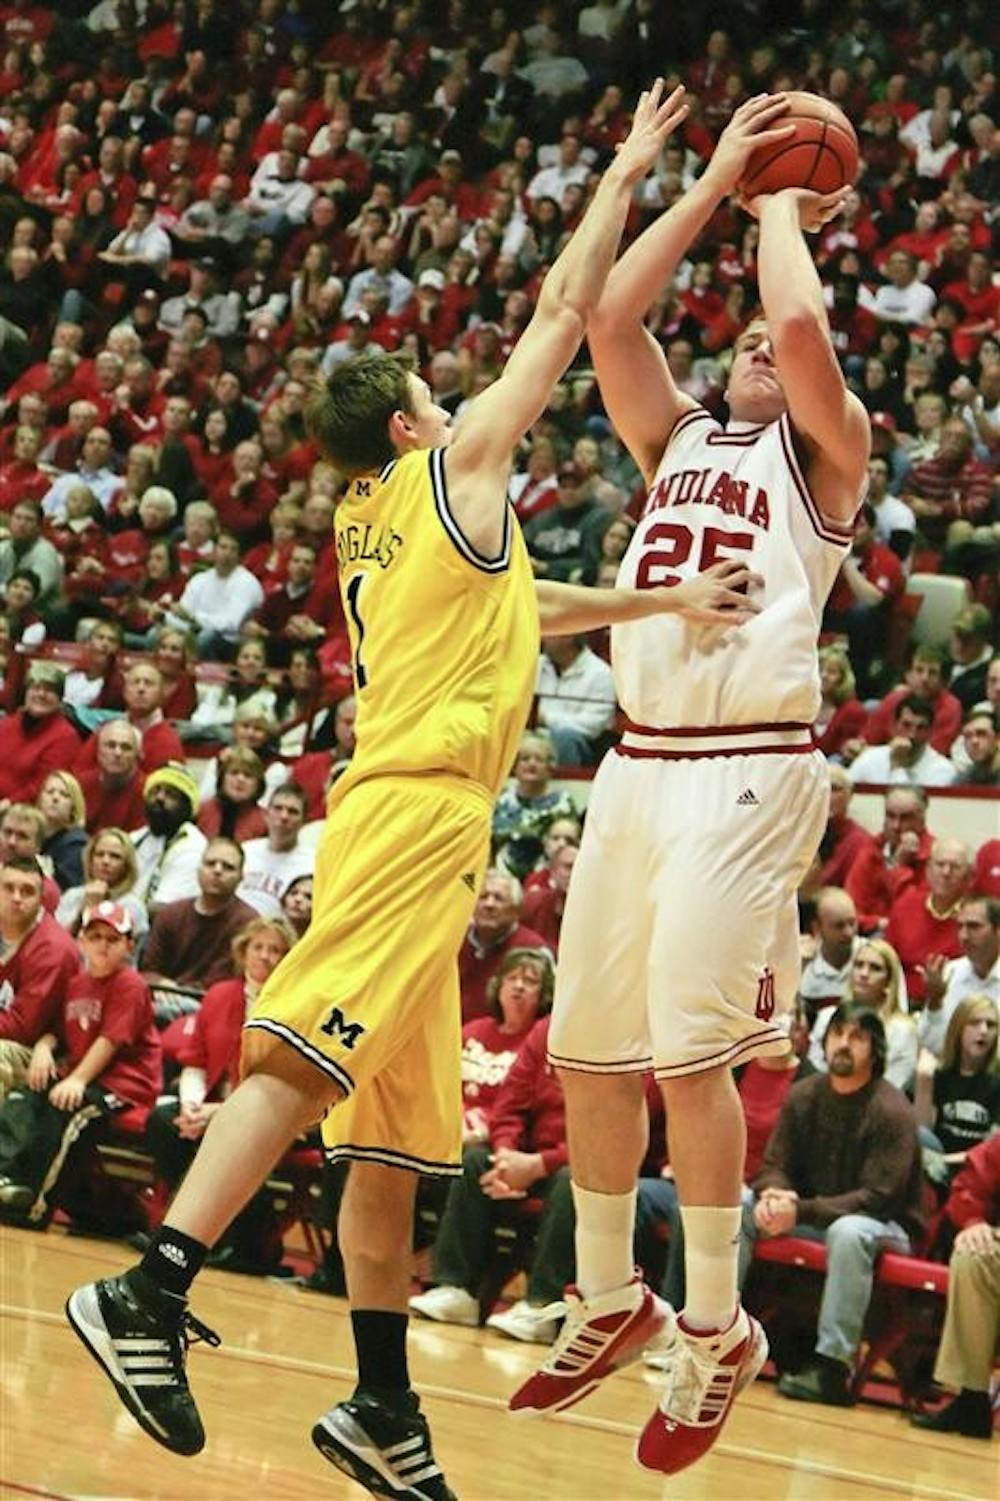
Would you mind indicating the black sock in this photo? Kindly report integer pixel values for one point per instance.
(172, 1261)
(380, 1340)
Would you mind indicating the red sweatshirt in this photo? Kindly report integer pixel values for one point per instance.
(975, 1193)
(529, 1113)
(33, 982)
(917, 934)
(118, 1008)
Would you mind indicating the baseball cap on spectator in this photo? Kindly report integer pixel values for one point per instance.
(451, 155)
(885, 420)
(974, 620)
(48, 674)
(178, 778)
(360, 316)
(111, 913)
(431, 278)
(149, 295)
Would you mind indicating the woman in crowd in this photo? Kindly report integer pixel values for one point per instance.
(235, 809)
(61, 803)
(212, 455)
(560, 833)
(175, 655)
(246, 681)
(255, 727)
(519, 994)
(160, 586)
(97, 682)
(877, 981)
(841, 716)
(527, 806)
(207, 1044)
(110, 873)
(297, 903)
(959, 1099)
(300, 710)
(268, 561)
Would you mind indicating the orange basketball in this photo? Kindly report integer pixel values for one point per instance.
(821, 155)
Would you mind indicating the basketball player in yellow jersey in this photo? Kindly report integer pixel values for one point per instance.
(361, 1023)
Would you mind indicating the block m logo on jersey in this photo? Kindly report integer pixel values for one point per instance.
(764, 1008)
(344, 1031)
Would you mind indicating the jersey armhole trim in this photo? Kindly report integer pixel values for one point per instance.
(692, 414)
(835, 532)
(460, 541)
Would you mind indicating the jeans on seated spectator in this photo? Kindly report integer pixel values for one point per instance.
(573, 747)
(853, 1243)
(215, 646)
(465, 1239)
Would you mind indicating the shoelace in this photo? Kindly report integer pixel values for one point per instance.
(194, 1332)
(698, 1390)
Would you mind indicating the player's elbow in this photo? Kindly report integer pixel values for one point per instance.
(798, 328)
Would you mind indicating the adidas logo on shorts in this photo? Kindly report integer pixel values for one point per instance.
(469, 879)
(748, 799)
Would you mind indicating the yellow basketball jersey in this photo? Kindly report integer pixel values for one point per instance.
(445, 642)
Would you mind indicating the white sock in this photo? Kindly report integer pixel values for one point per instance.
(605, 1224)
(711, 1255)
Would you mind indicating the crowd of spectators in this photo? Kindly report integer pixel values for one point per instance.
(206, 206)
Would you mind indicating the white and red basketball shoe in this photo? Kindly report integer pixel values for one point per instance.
(705, 1373)
(599, 1336)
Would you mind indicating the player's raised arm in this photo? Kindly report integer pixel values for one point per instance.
(478, 460)
(636, 385)
(826, 415)
(716, 597)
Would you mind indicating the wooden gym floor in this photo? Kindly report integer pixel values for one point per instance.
(287, 1357)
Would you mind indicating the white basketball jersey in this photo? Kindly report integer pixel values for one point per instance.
(720, 493)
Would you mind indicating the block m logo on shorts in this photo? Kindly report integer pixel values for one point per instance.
(347, 1033)
(764, 1008)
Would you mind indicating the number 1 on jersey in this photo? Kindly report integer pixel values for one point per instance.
(353, 591)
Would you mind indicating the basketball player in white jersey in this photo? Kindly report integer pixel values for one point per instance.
(679, 942)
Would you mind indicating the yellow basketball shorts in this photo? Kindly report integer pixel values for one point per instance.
(370, 993)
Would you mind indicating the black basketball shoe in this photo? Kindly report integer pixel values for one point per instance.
(383, 1448)
(143, 1349)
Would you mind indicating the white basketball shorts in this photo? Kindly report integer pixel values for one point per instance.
(679, 944)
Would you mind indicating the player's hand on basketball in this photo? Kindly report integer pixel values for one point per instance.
(716, 597)
(756, 123)
(653, 123)
(814, 209)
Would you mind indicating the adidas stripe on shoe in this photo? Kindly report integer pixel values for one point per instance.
(143, 1351)
(386, 1450)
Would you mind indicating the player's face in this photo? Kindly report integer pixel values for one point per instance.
(755, 393)
(431, 424)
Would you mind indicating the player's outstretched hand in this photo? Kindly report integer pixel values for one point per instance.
(757, 122)
(653, 123)
(814, 209)
(716, 597)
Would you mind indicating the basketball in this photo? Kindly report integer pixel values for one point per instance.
(821, 155)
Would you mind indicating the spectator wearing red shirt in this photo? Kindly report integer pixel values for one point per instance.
(926, 677)
(245, 503)
(235, 809)
(895, 860)
(519, 993)
(20, 477)
(113, 788)
(526, 1154)
(842, 716)
(37, 961)
(923, 921)
(853, 329)
(38, 738)
(980, 301)
(300, 611)
(844, 840)
(986, 878)
(544, 906)
(207, 1046)
(143, 694)
(119, 185)
(965, 1356)
(495, 930)
(869, 580)
(100, 1058)
(952, 486)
